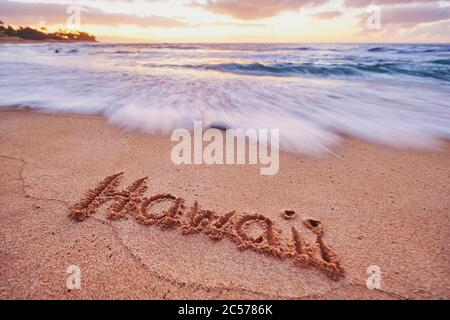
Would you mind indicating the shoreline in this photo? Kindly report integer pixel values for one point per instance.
(267, 43)
(438, 145)
(4, 40)
(378, 206)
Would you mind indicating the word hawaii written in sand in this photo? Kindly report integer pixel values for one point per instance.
(131, 202)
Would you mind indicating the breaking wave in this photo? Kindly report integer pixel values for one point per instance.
(395, 95)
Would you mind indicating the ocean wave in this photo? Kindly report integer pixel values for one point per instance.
(411, 49)
(394, 99)
(379, 49)
(278, 69)
(329, 70)
(442, 61)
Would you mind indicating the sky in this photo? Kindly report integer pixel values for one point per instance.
(250, 21)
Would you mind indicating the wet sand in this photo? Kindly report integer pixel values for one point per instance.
(364, 205)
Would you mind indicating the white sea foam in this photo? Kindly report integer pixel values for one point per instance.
(310, 97)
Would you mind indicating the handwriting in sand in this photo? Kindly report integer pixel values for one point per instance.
(132, 202)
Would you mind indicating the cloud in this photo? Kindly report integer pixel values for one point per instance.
(410, 15)
(366, 3)
(438, 31)
(256, 9)
(421, 22)
(327, 15)
(22, 13)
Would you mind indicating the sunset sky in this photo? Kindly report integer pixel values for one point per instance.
(240, 20)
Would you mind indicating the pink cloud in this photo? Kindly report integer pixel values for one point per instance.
(22, 13)
(410, 15)
(366, 3)
(327, 15)
(256, 9)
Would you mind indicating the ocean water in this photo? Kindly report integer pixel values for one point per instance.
(390, 94)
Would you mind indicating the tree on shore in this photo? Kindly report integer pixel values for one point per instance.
(28, 33)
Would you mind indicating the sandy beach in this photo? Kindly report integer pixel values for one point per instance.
(370, 204)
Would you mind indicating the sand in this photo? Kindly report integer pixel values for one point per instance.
(76, 190)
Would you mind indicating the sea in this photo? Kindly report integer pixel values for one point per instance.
(396, 95)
